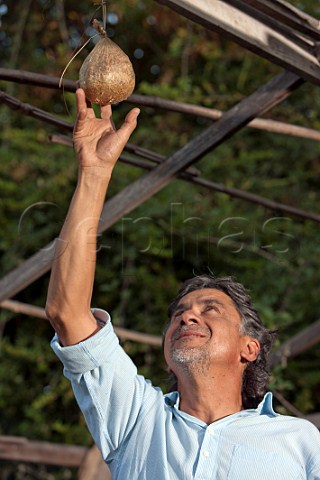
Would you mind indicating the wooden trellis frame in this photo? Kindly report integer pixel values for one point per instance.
(88, 460)
(273, 29)
(267, 96)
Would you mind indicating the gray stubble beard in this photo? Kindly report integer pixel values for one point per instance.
(192, 360)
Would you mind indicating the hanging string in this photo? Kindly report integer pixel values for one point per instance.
(104, 14)
(73, 57)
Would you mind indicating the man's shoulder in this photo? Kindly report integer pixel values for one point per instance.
(303, 426)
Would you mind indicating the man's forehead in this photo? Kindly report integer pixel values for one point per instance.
(206, 295)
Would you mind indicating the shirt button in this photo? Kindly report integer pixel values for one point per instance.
(206, 453)
(210, 431)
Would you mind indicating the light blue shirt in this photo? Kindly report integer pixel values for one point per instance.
(143, 435)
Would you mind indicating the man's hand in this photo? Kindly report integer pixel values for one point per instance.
(97, 143)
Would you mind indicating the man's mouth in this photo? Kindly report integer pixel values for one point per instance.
(188, 333)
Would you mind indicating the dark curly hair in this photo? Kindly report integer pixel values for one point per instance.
(256, 375)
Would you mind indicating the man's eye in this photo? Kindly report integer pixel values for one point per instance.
(211, 307)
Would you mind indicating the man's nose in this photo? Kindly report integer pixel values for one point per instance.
(189, 317)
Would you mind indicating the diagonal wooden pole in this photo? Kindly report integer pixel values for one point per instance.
(189, 175)
(267, 96)
(232, 121)
(297, 344)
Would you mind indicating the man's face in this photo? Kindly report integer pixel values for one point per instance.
(204, 330)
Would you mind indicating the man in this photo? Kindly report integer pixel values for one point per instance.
(217, 423)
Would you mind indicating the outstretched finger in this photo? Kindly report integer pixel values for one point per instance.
(130, 123)
(81, 104)
(106, 113)
(90, 111)
(84, 107)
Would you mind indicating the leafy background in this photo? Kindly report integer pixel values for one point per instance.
(183, 230)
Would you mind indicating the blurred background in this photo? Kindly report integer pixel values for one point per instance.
(183, 230)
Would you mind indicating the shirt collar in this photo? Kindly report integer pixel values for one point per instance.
(265, 407)
(172, 399)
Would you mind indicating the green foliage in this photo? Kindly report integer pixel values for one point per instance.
(37, 179)
(32, 371)
(183, 230)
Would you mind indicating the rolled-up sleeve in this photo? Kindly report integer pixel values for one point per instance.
(105, 383)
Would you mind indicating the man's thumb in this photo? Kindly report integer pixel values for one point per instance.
(130, 122)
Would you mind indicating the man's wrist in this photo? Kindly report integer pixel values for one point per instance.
(91, 191)
(94, 177)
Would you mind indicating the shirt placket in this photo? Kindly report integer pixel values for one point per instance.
(208, 461)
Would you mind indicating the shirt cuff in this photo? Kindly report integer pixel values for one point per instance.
(101, 316)
(92, 352)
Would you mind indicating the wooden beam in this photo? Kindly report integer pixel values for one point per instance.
(251, 8)
(314, 418)
(259, 12)
(289, 15)
(25, 77)
(19, 449)
(266, 124)
(311, 417)
(296, 345)
(302, 17)
(242, 28)
(33, 111)
(93, 466)
(47, 81)
(230, 122)
(291, 408)
(145, 187)
(290, 349)
(123, 333)
(25, 308)
(216, 187)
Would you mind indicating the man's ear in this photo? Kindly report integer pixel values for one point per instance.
(250, 350)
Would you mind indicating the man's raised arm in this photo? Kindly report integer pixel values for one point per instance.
(98, 146)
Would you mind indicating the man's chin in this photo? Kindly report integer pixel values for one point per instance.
(188, 356)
